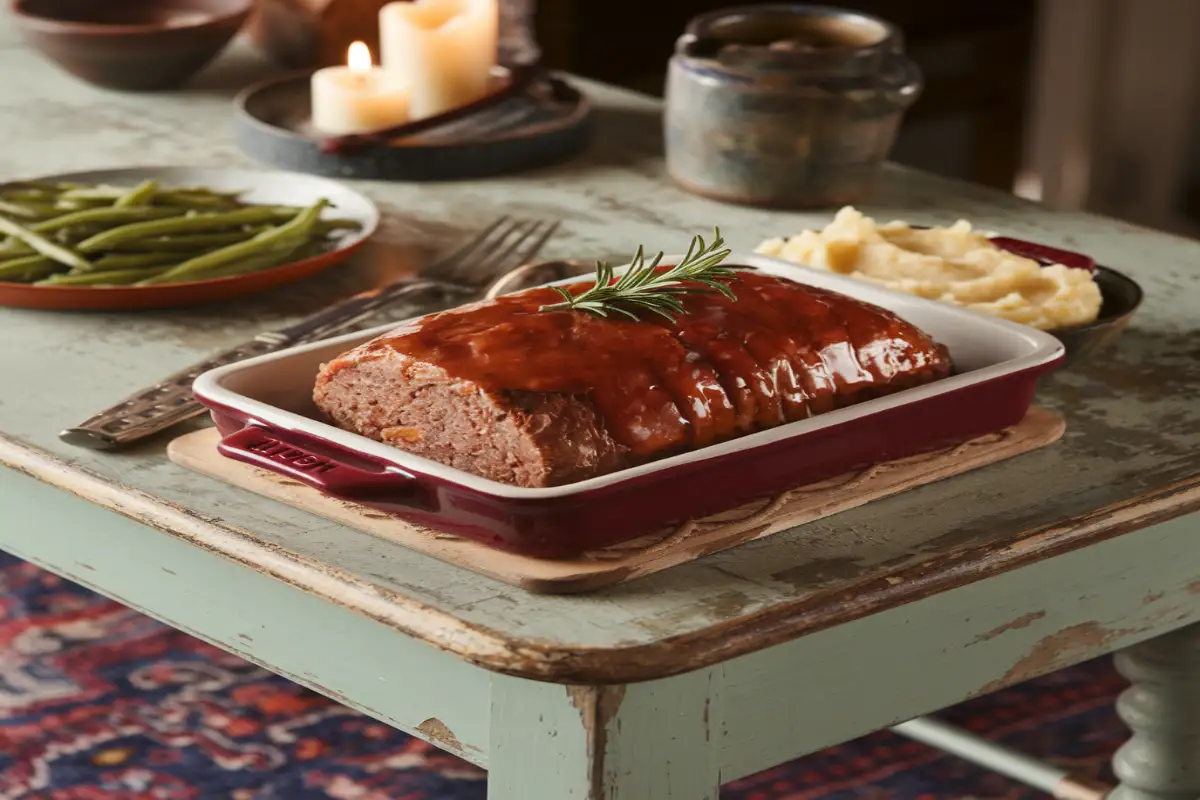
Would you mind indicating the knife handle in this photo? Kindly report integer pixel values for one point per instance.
(163, 405)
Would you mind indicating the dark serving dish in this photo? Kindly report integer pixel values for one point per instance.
(1120, 298)
(135, 45)
(264, 409)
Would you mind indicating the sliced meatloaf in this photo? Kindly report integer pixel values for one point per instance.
(543, 398)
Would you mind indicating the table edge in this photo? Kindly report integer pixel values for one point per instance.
(559, 663)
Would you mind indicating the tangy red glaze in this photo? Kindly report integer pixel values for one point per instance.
(779, 353)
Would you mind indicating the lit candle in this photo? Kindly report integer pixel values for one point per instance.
(442, 50)
(356, 98)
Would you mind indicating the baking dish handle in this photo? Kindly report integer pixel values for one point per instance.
(321, 465)
(1044, 254)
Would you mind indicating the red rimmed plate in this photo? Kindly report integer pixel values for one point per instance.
(256, 186)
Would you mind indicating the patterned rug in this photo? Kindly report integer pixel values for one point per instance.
(98, 702)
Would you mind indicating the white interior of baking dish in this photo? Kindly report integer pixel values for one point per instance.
(276, 389)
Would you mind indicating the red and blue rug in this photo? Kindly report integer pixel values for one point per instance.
(98, 702)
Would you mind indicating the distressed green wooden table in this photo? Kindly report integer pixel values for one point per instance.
(663, 688)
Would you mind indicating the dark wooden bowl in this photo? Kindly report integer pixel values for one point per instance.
(134, 45)
(1121, 297)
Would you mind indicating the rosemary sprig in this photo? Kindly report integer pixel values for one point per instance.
(642, 288)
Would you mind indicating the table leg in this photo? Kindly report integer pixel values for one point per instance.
(648, 740)
(1161, 760)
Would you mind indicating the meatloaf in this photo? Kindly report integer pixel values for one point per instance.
(544, 398)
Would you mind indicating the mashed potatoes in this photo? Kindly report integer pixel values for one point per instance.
(955, 265)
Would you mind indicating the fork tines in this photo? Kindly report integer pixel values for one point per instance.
(505, 244)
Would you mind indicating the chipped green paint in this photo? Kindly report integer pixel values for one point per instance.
(803, 620)
(658, 739)
(1133, 423)
(1161, 761)
(544, 741)
(341, 654)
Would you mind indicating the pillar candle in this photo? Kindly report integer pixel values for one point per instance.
(356, 98)
(442, 50)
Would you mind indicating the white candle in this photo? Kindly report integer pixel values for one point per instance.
(357, 98)
(442, 50)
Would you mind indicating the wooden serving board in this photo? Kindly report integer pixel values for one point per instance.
(687, 542)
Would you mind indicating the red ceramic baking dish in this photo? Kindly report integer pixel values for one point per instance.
(263, 408)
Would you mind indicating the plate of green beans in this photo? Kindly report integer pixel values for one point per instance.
(170, 236)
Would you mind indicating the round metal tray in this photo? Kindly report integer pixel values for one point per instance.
(547, 122)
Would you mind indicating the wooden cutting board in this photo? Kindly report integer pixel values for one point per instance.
(692, 540)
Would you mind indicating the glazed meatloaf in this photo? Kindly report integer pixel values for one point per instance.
(536, 398)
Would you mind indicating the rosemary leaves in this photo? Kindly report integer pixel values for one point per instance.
(644, 287)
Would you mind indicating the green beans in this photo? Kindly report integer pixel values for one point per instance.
(26, 210)
(246, 265)
(188, 243)
(14, 248)
(102, 216)
(134, 261)
(139, 195)
(27, 269)
(115, 277)
(186, 224)
(101, 193)
(41, 244)
(198, 199)
(32, 190)
(61, 234)
(326, 226)
(283, 239)
(115, 192)
(76, 226)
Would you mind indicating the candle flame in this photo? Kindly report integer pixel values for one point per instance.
(358, 57)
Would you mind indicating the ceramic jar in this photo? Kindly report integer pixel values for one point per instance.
(787, 106)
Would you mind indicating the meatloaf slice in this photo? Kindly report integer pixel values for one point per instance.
(517, 437)
(543, 398)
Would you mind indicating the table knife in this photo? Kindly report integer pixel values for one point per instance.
(171, 402)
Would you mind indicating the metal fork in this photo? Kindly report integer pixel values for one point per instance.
(502, 246)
